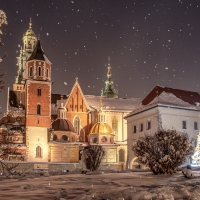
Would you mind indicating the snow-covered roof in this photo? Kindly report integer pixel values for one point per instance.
(169, 97)
(112, 104)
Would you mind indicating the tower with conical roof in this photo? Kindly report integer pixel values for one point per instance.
(37, 88)
(109, 90)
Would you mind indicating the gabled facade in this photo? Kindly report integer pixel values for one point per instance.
(78, 112)
(163, 108)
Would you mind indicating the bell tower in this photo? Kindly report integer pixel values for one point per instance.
(37, 75)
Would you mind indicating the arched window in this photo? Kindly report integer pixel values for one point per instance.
(38, 109)
(38, 152)
(115, 127)
(77, 124)
(121, 155)
(30, 71)
(47, 73)
(39, 92)
(39, 71)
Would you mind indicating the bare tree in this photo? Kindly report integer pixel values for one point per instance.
(3, 21)
(92, 156)
(164, 151)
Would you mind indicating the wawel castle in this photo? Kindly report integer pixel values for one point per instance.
(54, 128)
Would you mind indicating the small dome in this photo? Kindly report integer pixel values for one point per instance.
(30, 32)
(62, 125)
(101, 128)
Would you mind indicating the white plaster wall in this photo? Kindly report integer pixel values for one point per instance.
(36, 136)
(143, 117)
(171, 119)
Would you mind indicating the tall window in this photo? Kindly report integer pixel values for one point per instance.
(134, 129)
(77, 124)
(115, 127)
(141, 127)
(121, 155)
(38, 109)
(30, 71)
(195, 126)
(47, 73)
(39, 92)
(38, 152)
(184, 125)
(39, 71)
(148, 125)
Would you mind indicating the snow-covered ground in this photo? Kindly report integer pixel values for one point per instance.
(102, 186)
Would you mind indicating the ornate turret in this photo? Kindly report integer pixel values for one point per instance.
(29, 43)
(109, 91)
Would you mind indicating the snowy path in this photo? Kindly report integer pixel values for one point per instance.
(112, 186)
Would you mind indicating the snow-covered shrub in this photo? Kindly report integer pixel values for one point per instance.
(163, 151)
(92, 156)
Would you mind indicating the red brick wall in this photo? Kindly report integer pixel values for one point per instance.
(77, 107)
(32, 100)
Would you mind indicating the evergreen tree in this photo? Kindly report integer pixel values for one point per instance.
(196, 156)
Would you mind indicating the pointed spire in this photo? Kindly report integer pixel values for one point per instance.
(30, 24)
(109, 91)
(76, 79)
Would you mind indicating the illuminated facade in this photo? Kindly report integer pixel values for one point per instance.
(55, 129)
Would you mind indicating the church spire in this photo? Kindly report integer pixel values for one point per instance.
(30, 24)
(109, 91)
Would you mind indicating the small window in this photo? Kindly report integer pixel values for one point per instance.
(38, 109)
(39, 71)
(141, 127)
(184, 125)
(38, 152)
(148, 125)
(121, 155)
(31, 71)
(47, 73)
(64, 137)
(39, 92)
(195, 126)
(134, 129)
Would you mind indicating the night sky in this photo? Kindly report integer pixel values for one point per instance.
(150, 43)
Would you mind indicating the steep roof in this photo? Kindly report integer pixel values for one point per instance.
(38, 53)
(187, 96)
(112, 104)
(168, 97)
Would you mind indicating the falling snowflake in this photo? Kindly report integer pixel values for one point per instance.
(47, 34)
(65, 83)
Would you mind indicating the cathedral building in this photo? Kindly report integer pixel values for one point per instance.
(55, 128)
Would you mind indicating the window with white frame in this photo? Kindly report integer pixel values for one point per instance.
(195, 126)
(141, 127)
(134, 129)
(148, 125)
(184, 125)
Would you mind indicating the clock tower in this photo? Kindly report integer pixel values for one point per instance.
(37, 89)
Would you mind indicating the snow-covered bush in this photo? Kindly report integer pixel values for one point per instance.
(163, 151)
(92, 156)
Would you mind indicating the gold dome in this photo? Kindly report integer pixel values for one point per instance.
(101, 128)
